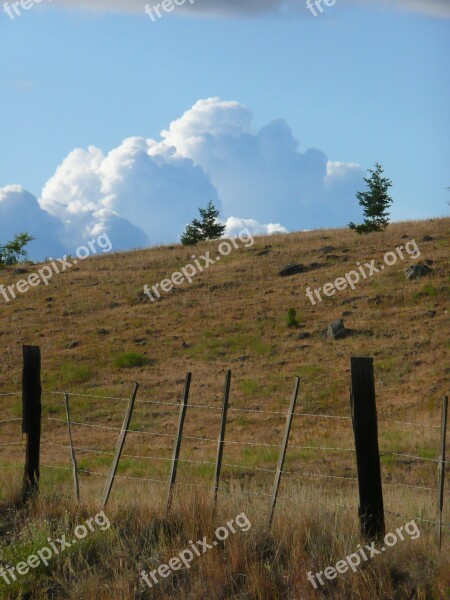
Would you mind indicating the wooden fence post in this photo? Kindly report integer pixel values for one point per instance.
(31, 419)
(221, 440)
(441, 473)
(365, 428)
(283, 450)
(119, 447)
(178, 440)
(72, 451)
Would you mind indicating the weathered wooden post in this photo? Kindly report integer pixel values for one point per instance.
(441, 473)
(221, 440)
(283, 450)
(72, 450)
(31, 418)
(178, 440)
(119, 447)
(365, 428)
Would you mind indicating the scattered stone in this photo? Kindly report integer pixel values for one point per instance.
(185, 345)
(50, 299)
(102, 331)
(293, 269)
(326, 249)
(405, 237)
(347, 313)
(334, 257)
(335, 330)
(304, 335)
(72, 345)
(114, 304)
(140, 341)
(243, 357)
(428, 262)
(430, 313)
(416, 271)
(427, 238)
(19, 271)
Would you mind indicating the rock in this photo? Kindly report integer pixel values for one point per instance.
(102, 331)
(347, 313)
(19, 271)
(428, 262)
(405, 237)
(416, 271)
(427, 238)
(430, 313)
(72, 345)
(293, 269)
(113, 304)
(335, 330)
(304, 335)
(49, 299)
(243, 358)
(185, 345)
(326, 249)
(376, 300)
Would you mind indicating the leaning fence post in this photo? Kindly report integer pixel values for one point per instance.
(283, 450)
(221, 440)
(119, 447)
(441, 473)
(31, 419)
(178, 440)
(72, 450)
(365, 428)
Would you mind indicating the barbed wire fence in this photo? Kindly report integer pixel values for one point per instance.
(371, 523)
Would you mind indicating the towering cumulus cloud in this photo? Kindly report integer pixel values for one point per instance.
(145, 191)
(246, 8)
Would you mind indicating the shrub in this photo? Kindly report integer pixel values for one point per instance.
(292, 321)
(129, 360)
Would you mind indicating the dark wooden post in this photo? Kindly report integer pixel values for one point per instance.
(72, 450)
(441, 473)
(119, 447)
(365, 428)
(283, 450)
(178, 440)
(221, 440)
(31, 419)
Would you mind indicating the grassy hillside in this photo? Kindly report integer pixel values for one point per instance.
(94, 323)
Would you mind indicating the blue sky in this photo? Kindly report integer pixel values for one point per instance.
(360, 83)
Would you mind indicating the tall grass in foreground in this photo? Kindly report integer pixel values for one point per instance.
(306, 536)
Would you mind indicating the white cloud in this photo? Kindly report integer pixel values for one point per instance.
(235, 225)
(435, 8)
(145, 191)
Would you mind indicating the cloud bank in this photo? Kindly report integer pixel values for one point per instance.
(248, 8)
(145, 191)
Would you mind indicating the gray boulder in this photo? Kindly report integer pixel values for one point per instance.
(335, 330)
(416, 271)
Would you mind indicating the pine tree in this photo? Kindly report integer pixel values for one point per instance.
(375, 202)
(208, 228)
(190, 236)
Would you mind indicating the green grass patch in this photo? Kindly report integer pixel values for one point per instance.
(130, 360)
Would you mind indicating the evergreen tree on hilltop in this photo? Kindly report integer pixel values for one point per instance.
(375, 202)
(207, 228)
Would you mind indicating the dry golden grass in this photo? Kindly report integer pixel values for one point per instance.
(234, 316)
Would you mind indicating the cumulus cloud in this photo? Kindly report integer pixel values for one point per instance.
(145, 191)
(435, 8)
(235, 225)
(20, 213)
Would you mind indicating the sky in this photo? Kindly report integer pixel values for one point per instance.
(112, 121)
